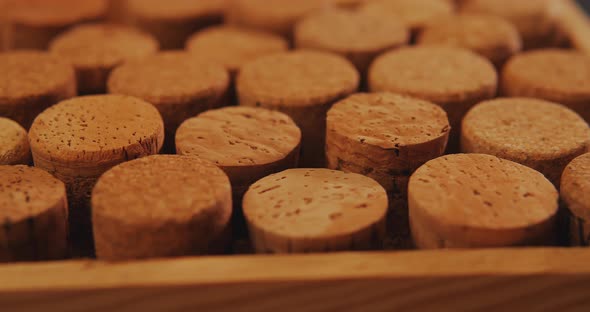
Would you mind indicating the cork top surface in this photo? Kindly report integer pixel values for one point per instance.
(238, 136)
(30, 74)
(94, 128)
(507, 8)
(575, 186)
(527, 128)
(233, 47)
(482, 191)
(176, 9)
(349, 31)
(13, 141)
(102, 45)
(298, 78)
(277, 10)
(168, 77)
(27, 192)
(55, 12)
(436, 73)
(311, 203)
(387, 120)
(559, 72)
(412, 13)
(162, 187)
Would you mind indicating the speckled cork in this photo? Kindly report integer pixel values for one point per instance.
(277, 16)
(315, 210)
(533, 19)
(32, 24)
(555, 75)
(575, 193)
(454, 78)
(171, 22)
(79, 139)
(358, 36)
(177, 83)
(539, 134)
(480, 201)
(487, 35)
(31, 82)
(34, 214)
(303, 84)
(14, 143)
(174, 206)
(96, 49)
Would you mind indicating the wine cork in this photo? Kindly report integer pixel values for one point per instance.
(14, 144)
(533, 19)
(575, 193)
(31, 82)
(174, 206)
(34, 215)
(247, 143)
(277, 16)
(539, 134)
(304, 85)
(480, 201)
(178, 84)
(487, 35)
(171, 22)
(554, 75)
(79, 139)
(454, 78)
(32, 24)
(96, 49)
(358, 36)
(307, 210)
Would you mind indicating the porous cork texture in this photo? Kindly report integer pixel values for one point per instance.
(247, 143)
(487, 35)
(34, 214)
(178, 84)
(561, 76)
(14, 143)
(79, 139)
(171, 22)
(454, 78)
(31, 82)
(173, 206)
(96, 49)
(480, 201)
(575, 193)
(358, 36)
(533, 19)
(539, 134)
(32, 24)
(315, 210)
(303, 84)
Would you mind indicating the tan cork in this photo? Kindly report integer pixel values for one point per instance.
(32, 24)
(96, 49)
(539, 134)
(79, 139)
(31, 82)
(454, 78)
(171, 22)
(174, 206)
(487, 35)
(247, 143)
(315, 210)
(178, 84)
(303, 84)
(358, 36)
(561, 76)
(575, 193)
(479, 201)
(34, 214)
(14, 143)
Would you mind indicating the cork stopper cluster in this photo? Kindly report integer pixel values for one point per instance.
(414, 14)
(14, 144)
(176, 9)
(575, 187)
